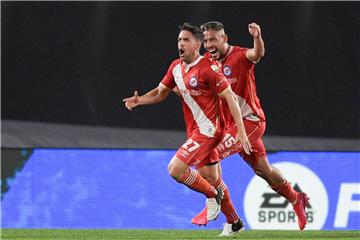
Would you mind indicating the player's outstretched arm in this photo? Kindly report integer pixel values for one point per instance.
(241, 136)
(258, 51)
(156, 95)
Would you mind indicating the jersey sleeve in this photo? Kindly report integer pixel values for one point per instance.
(168, 80)
(216, 78)
(243, 60)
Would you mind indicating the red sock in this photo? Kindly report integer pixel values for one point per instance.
(227, 207)
(193, 180)
(286, 190)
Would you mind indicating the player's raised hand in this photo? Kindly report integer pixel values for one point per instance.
(132, 102)
(254, 30)
(244, 140)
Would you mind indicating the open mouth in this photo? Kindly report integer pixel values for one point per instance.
(213, 51)
(181, 52)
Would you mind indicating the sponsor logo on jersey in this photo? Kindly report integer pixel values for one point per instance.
(215, 68)
(227, 71)
(193, 82)
(190, 92)
(232, 80)
(265, 209)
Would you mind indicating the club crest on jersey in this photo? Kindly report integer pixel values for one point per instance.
(215, 68)
(193, 82)
(227, 71)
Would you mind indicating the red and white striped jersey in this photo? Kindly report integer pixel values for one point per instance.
(239, 72)
(199, 85)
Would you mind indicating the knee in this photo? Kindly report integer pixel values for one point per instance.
(175, 171)
(263, 170)
(211, 179)
(210, 174)
(259, 171)
(172, 171)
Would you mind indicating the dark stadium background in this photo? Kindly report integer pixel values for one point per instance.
(74, 62)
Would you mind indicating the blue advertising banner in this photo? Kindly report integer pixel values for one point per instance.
(78, 188)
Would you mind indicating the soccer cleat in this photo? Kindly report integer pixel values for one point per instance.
(214, 205)
(301, 201)
(231, 229)
(201, 218)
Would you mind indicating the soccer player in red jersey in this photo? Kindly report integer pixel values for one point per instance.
(237, 64)
(201, 84)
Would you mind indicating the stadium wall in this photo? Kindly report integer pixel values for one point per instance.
(67, 176)
(108, 188)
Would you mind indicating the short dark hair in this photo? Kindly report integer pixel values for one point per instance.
(196, 31)
(213, 25)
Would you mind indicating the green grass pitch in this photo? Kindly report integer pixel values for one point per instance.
(102, 234)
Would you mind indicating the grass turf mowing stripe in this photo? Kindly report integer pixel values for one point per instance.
(107, 234)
